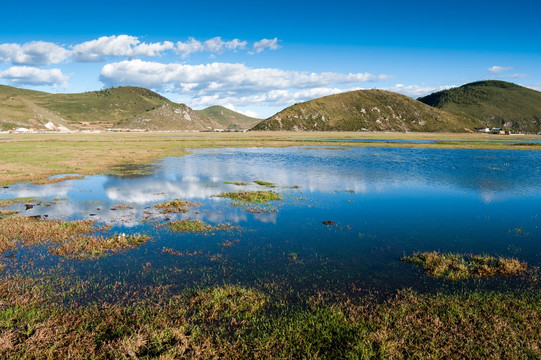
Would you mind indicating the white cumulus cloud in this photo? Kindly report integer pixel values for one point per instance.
(26, 75)
(33, 53)
(262, 44)
(121, 45)
(499, 69)
(217, 77)
(214, 45)
(416, 91)
(269, 98)
(232, 84)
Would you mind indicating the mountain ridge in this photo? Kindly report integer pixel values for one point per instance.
(366, 110)
(495, 103)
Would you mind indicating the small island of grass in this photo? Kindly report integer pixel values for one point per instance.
(252, 196)
(457, 267)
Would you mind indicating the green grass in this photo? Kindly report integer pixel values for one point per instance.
(237, 322)
(457, 267)
(252, 196)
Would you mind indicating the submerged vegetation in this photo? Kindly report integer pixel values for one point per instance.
(252, 196)
(457, 267)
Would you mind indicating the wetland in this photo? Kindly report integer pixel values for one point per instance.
(278, 252)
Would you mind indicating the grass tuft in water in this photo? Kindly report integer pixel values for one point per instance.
(175, 206)
(238, 183)
(91, 247)
(187, 225)
(8, 202)
(265, 183)
(457, 267)
(71, 239)
(57, 180)
(252, 196)
(6, 213)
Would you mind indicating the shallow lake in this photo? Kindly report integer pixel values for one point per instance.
(384, 203)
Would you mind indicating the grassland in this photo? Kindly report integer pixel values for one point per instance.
(235, 322)
(229, 321)
(35, 157)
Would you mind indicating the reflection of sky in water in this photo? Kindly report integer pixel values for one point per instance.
(386, 202)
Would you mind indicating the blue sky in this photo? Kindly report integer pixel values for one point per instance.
(259, 57)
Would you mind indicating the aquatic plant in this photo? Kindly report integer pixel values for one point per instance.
(180, 253)
(456, 267)
(252, 196)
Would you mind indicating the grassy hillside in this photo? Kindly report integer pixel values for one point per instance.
(374, 110)
(121, 107)
(228, 118)
(495, 103)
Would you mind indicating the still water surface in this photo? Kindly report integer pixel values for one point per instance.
(385, 203)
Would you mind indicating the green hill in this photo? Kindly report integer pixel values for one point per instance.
(229, 119)
(495, 103)
(121, 107)
(373, 110)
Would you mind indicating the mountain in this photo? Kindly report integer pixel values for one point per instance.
(495, 103)
(121, 107)
(374, 110)
(229, 119)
